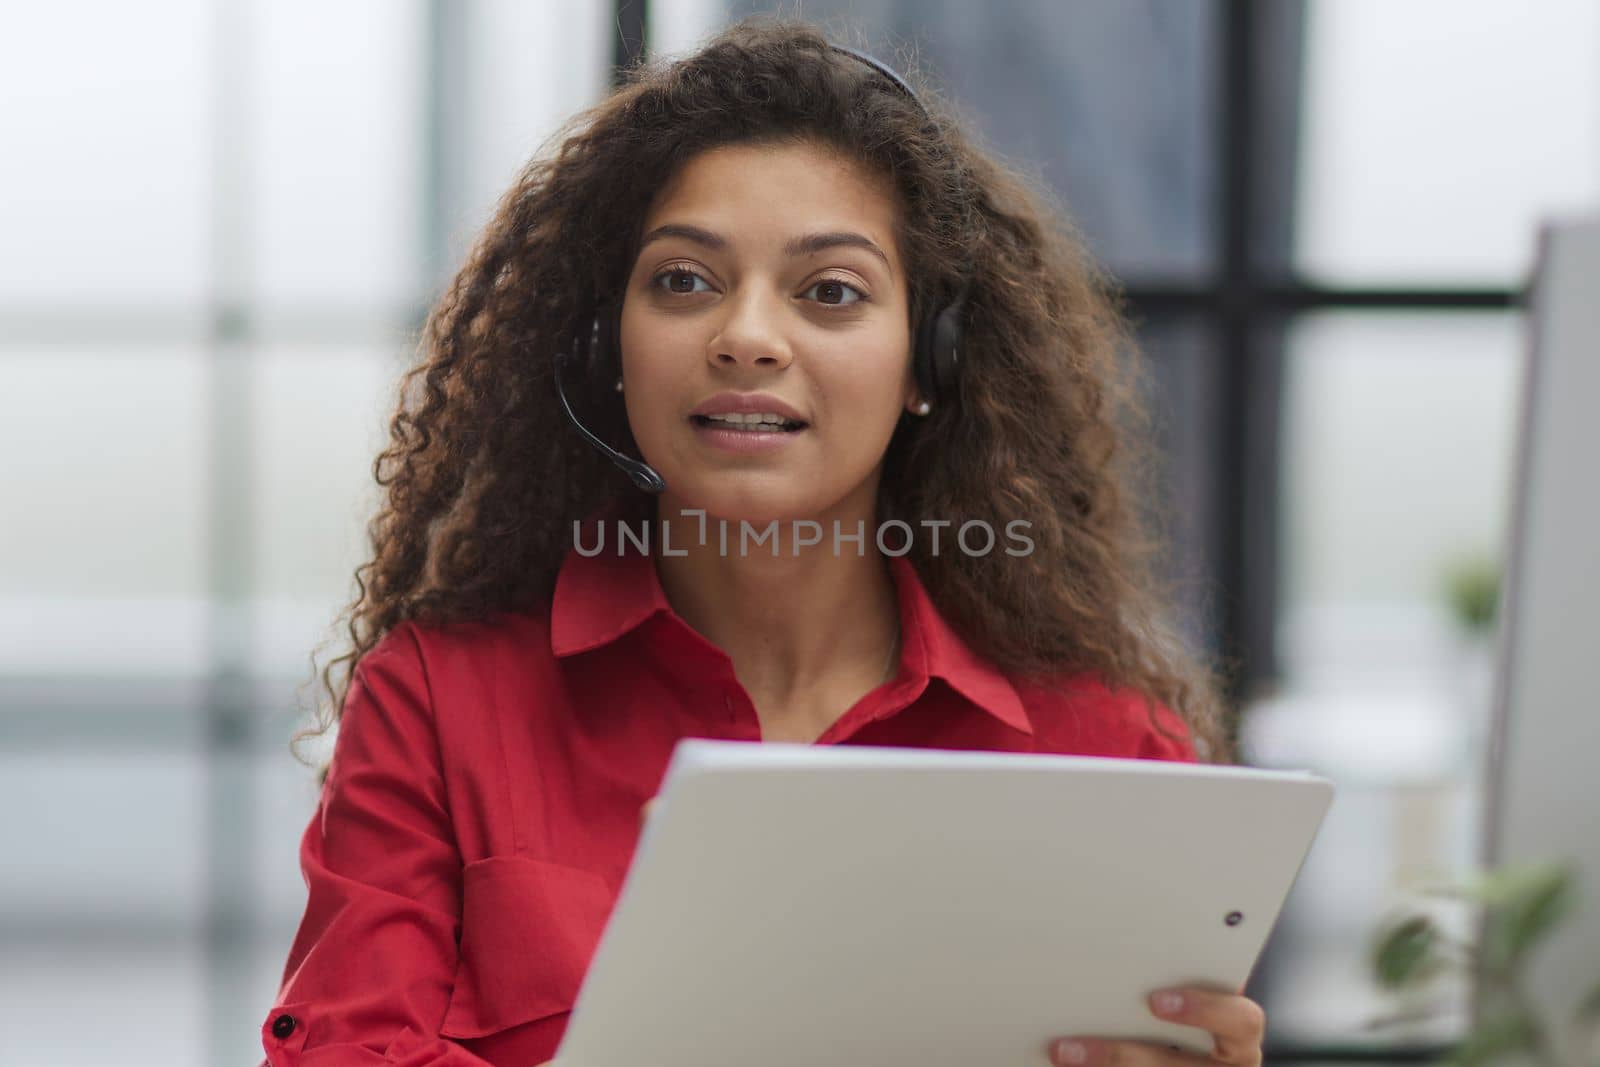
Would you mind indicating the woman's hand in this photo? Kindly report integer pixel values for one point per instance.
(1237, 1024)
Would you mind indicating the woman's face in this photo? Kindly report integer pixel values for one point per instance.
(768, 270)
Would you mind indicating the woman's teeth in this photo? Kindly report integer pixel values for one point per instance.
(764, 422)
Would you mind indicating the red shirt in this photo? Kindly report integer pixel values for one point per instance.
(484, 800)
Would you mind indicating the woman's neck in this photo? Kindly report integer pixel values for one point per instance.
(799, 629)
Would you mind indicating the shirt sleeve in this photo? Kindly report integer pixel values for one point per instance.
(372, 964)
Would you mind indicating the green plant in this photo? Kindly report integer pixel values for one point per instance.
(1520, 905)
(1472, 588)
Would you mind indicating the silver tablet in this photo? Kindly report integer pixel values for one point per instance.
(799, 904)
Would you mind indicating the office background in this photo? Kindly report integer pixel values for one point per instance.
(223, 222)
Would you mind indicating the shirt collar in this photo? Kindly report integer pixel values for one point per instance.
(599, 598)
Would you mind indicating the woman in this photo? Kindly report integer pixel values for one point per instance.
(762, 232)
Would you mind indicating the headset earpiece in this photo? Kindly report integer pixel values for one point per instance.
(938, 359)
(603, 355)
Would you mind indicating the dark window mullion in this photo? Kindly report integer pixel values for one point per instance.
(1264, 298)
(1243, 633)
(631, 22)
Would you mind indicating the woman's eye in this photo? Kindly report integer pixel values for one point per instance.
(676, 273)
(681, 281)
(833, 292)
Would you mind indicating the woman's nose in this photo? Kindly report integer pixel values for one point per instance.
(752, 333)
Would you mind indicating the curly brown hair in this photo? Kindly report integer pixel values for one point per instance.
(484, 481)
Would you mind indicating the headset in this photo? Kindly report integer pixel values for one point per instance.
(935, 361)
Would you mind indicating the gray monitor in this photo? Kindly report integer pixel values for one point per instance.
(1543, 770)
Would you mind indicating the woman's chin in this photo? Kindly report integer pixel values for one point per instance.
(755, 505)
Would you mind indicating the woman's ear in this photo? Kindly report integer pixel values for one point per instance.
(911, 395)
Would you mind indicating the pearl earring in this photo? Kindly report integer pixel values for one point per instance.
(619, 385)
(923, 408)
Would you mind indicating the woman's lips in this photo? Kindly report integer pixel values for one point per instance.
(744, 442)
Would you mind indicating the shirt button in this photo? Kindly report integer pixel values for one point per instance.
(283, 1026)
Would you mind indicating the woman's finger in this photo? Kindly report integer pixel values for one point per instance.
(1237, 1023)
(1099, 1052)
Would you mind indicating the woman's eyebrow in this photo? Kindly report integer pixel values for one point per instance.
(804, 245)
